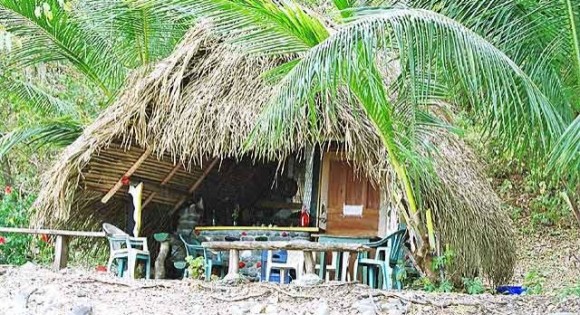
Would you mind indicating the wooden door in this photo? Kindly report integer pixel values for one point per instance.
(341, 192)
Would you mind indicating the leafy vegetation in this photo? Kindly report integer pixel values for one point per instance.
(534, 282)
(18, 248)
(195, 267)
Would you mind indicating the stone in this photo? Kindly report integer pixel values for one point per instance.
(257, 309)
(82, 310)
(28, 266)
(322, 309)
(365, 306)
(271, 309)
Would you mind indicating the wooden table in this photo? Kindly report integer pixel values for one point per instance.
(305, 246)
(341, 239)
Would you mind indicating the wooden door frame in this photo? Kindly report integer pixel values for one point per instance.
(323, 185)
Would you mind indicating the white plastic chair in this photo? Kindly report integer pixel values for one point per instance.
(332, 267)
(122, 246)
(294, 260)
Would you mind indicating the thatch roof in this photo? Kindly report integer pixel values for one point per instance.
(201, 103)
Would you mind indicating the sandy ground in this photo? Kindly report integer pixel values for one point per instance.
(34, 290)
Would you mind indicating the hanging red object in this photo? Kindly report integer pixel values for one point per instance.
(304, 217)
(125, 180)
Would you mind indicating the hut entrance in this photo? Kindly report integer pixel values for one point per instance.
(349, 204)
(251, 194)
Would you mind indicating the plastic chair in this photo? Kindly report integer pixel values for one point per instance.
(338, 276)
(124, 248)
(194, 249)
(389, 251)
(294, 260)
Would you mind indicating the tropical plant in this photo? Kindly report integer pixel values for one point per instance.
(100, 41)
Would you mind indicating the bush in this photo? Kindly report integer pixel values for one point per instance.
(473, 286)
(18, 248)
(195, 267)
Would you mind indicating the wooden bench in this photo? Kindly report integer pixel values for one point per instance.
(61, 244)
(305, 246)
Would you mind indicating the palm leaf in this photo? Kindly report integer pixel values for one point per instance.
(138, 32)
(28, 93)
(48, 34)
(58, 133)
(428, 47)
(565, 158)
(259, 26)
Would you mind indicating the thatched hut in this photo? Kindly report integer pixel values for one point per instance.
(181, 129)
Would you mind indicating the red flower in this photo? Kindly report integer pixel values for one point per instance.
(241, 264)
(125, 180)
(258, 264)
(8, 190)
(244, 233)
(101, 268)
(2, 240)
(44, 238)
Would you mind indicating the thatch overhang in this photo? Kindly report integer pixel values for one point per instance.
(200, 104)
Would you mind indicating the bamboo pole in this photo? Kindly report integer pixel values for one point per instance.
(128, 173)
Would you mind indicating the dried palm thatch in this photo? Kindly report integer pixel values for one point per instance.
(203, 101)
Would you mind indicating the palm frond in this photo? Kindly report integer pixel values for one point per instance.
(33, 95)
(259, 26)
(504, 98)
(48, 34)
(137, 31)
(565, 158)
(57, 133)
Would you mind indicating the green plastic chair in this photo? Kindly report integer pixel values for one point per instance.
(389, 251)
(194, 249)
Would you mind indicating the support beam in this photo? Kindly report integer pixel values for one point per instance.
(60, 252)
(196, 184)
(165, 181)
(128, 173)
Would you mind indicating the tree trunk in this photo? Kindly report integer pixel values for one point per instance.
(160, 261)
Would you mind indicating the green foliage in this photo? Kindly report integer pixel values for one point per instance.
(18, 248)
(534, 282)
(195, 267)
(473, 286)
(573, 290)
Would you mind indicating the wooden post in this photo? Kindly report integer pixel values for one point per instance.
(60, 252)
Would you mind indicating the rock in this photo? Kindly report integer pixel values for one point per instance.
(272, 309)
(365, 306)
(82, 310)
(308, 280)
(236, 310)
(257, 309)
(322, 309)
(28, 266)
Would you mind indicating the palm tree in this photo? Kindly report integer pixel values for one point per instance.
(435, 59)
(100, 41)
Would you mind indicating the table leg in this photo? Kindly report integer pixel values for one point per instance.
(233, 268)
(309, 277)
(322, 270)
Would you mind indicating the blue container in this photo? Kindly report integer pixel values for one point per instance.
(277, 256)
(511, 289)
